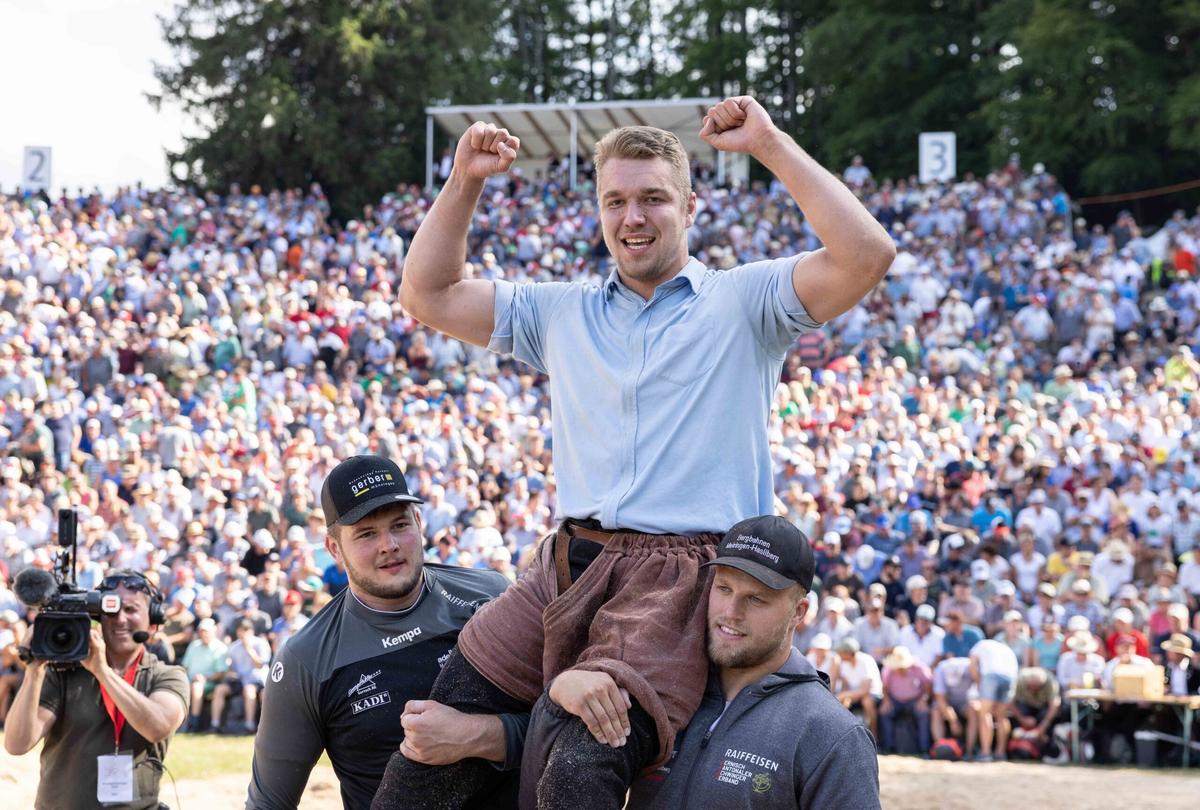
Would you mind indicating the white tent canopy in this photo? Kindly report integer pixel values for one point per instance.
(554, 131)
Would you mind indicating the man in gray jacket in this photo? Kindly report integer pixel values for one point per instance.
(769, 733)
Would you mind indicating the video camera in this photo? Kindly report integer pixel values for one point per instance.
(61, 631)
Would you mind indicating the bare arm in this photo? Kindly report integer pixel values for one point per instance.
(154, 716)
(597, 700)
(857, 250)
(27, 721)
(433, 289)
(435, 734)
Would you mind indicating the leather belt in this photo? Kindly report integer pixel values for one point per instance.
(562, 551)
(601, 536)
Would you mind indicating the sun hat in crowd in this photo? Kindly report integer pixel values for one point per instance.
(1178, 643)
(1082, 643)
(926, 612)
(900, 658)
(1078, 624)
(1123, 614)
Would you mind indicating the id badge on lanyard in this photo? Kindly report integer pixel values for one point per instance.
(114, 772)
(114, 779)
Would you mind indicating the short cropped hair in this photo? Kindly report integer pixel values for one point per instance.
(647, 143)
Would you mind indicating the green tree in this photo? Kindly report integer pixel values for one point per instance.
(877, 73)
(534, 51)
(1104, 93)
(714, 41)
(289, 92)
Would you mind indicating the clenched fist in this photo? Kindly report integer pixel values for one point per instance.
(738, 124)
(485, 150)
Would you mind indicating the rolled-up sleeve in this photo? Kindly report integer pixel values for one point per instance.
(772, 307)
(522, 316)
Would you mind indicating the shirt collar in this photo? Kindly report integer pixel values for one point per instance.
(693, 272)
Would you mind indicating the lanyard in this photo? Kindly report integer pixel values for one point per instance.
(110, 706)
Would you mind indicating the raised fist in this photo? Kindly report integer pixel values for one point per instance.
(738, 124)
(484, 150)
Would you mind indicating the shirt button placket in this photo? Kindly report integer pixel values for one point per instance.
(629, 413)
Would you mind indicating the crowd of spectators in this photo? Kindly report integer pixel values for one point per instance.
(996, 445)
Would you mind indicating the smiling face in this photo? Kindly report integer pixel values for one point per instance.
(645, 220)
(119, 628)
(749, 624)
(382, 556)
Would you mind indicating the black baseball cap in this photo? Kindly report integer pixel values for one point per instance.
(771, 550)
(360, 485)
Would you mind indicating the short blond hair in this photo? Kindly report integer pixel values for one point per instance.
(647, 143)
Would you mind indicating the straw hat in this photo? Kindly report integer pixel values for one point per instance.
(900, 658)
(1178, 643)
(1082, 643)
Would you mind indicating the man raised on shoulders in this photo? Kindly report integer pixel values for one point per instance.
(661, 380)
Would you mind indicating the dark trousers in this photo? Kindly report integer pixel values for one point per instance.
(561, 763)
(469, 783)
(902, 709)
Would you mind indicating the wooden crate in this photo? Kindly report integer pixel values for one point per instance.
(1137, 683)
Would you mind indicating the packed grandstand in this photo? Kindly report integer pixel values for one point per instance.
(998, 443)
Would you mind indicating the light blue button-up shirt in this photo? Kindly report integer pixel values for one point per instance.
(660, 407)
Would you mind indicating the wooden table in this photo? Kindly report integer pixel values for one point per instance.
(1185, 705)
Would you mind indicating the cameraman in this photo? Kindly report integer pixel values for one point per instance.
(121, 694)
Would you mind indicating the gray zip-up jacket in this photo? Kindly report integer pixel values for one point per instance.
(785, 742)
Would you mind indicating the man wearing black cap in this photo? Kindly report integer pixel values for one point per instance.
(342, 683)
(769, 732)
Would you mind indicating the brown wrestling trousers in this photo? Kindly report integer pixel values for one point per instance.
(638, 612)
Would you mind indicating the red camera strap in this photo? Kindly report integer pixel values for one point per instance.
(110, 706)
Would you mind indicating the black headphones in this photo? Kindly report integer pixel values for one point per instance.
(137, 581)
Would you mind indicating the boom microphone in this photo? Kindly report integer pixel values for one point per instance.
(140, 636)
(35, 587)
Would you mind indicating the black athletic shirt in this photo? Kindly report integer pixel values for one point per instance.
(340, 684)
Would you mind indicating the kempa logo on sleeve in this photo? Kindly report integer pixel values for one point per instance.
(403, 638)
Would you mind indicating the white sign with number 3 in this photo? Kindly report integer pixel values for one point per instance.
(938, 158)
(36, 174)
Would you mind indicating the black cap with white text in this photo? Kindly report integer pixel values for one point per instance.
(771, 550)
(360, 485)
